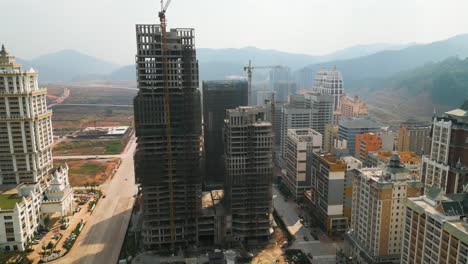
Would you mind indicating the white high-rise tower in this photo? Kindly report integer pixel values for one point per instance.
(330, 82)
(25, 124)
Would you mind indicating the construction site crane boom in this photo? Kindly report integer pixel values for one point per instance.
(167, 116)
(249, 70)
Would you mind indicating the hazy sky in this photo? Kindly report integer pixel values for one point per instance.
(106, 28)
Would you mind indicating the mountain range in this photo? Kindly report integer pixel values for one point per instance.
(68, 65)
(359, 72)
(439, 86)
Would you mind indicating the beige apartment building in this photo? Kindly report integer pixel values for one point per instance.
(436, 229)
(300, 144)
(378, 212)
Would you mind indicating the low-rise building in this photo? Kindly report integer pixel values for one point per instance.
(364, 143)
(353, 106)
(378, 212)
(300, 144)
(436, 228)
(27, 206)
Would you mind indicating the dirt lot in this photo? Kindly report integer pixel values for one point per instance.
(272, 251)
(68, 118)
(90, 147)
(82, 172)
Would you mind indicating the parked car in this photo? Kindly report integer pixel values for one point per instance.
(77, 209)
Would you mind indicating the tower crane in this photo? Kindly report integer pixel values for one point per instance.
(249, 69)
(167, 116)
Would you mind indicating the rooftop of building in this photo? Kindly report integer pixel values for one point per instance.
(416, 123)
(303, 134)
(405, 156)
(394, 171)
(221, 85)
(359, 122)
(369, 135)
(9, 197)
(451, 209)
(333, 161)
(462, 111)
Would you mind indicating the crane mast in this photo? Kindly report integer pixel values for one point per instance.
(167, 116)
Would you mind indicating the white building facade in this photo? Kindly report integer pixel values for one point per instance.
(300, 144)
(31, 190)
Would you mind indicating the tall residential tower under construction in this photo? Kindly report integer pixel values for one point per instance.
(248, 144)
(168, 128)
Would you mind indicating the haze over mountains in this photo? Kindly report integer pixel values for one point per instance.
(379, 72)
(214, 63)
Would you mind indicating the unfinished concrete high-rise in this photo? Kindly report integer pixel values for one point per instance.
(218, 96)
(171, 198)
(248, 142)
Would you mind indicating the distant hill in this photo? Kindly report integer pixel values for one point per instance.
(66, 65)
(442, 85)
(219, 63)
(361, 50)
(358, 72)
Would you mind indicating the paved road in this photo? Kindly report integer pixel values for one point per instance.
(289, 212)
(102, 237)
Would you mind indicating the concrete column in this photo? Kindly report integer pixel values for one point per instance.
(15, 87)
(21, 83)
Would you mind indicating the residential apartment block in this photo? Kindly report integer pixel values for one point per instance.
(378, 212)
(300, 143)
(25, 126)
(310, 110)
(365, 143)
(446, 166)
(352, 107)
(350, 127)
(414, 136)
(330, 82)
(327, 193)
(436, 229)
(31, 190)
